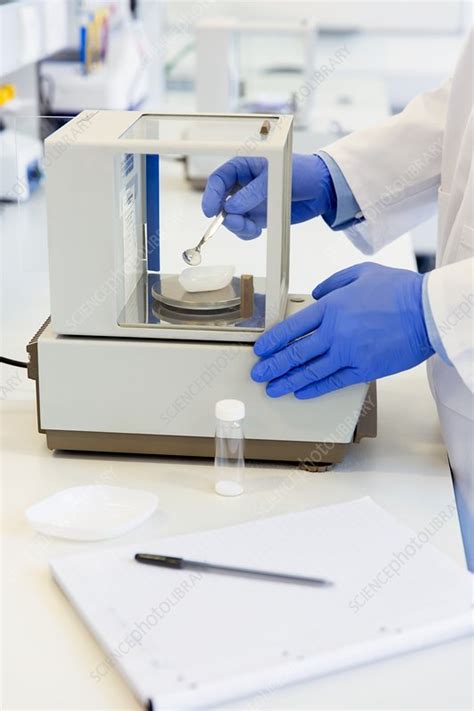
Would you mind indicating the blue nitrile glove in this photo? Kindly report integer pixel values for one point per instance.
(312, 193)
(368, 322)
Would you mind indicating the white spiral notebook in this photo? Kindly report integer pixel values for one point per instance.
(188, 640)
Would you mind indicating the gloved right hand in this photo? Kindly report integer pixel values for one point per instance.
(312, 193)
(368, 322)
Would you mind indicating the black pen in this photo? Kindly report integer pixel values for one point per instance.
(165, 561)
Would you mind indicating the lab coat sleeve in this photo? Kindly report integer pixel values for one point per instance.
(393, 169)
(450, 297)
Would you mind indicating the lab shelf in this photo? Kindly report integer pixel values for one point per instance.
(31, 30)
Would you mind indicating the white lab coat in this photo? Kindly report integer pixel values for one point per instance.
(399, 171)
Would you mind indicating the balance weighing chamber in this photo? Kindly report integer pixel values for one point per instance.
(129, 361)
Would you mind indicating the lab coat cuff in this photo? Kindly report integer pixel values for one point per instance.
(348, 212)
(431, 328)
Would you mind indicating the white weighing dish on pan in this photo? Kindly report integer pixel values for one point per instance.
(209, 278)
(134, 332)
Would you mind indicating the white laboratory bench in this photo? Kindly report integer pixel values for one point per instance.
(48, 652)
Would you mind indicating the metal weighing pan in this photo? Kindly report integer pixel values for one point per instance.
(168, 292)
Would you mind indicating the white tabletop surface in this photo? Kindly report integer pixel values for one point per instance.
(49, 654)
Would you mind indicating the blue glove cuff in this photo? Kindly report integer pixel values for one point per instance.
(327, 185)
(347, 212)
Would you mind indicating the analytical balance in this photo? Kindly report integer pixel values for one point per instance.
(130, 361)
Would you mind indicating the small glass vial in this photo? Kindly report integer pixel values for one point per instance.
(229, 462)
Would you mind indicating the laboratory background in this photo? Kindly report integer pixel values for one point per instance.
(174, 534)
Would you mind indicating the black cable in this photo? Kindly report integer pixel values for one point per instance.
(12, 361)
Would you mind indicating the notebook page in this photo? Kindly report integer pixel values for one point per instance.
(189, 639)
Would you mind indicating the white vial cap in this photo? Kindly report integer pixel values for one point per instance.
(230, 410)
